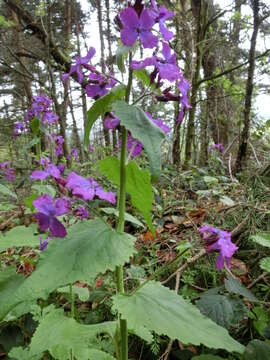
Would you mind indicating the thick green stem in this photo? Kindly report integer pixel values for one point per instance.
(121, 224)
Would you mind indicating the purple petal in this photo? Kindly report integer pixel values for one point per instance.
(166, 51)
(44, 204)
(43, 221)
(53, 171)
(169, 72)
(56, 228)
(92, 90)
(88, 57)
(150, 61)
(149, 41)
(39, 175)
(146, 20)
(111, 122)
(129, 18)
(85, 193)
(61, 207)
(167, 34)
(79, 74)
(220, 261)
(104, 195)
(129, 36)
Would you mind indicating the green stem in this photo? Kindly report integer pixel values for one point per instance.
(72, 313)
(121, 224)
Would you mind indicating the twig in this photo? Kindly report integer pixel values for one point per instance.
(255, 155)
(262, 276)
(230, 166)
(184, 266)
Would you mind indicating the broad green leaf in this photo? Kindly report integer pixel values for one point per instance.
(223, 310)
(5, 190)
(234, 286)
(257, 350)
(265, 264)
(23, 354)
(143, 76)
(18, 237)
(61, 335)
(121, 53)
(161, 310)
(142, 129)
(90, 248)
(44, 189)
(262, 239)
(128, 217)
(10, 281)
(83, 293)
(260, 319)
(210, 180)
(138, 184)
(99, 108)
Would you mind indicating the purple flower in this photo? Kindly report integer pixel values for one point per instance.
(87, 189)
(59, 141)
(134, 147)
(91, 148)
(218, 147)
(80, 62)
(134, 26)
(47, 212)
(61, 167)
(43, 243)
(98, 85)
(50, 117)
(75, 154)
(82, 212)
(19, 128)
(50, 170)
(220, 241)
(166, 67)
(158, 122)
(111, 122)
(8, 172)
(160, 15)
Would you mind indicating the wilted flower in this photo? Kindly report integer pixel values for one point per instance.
(220, 241)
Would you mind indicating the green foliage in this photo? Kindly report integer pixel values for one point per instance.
(62, 336)
(99, 108)
(89, 249)
(128, 217)
(234, 286)
(223, 310)
(138, 184)
(207, 357)
(265, 264)
(18, 237)
(159, 309)
(262, 239)
(43, 189)
(5, 190)
(121, 54)
(135, 120)
(81, 292)
(257, 350)
(260, 319)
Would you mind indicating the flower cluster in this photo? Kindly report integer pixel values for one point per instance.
(19, 128)
(87, 189)
(218, 147)
(220, 241)
(138, 22)
(59, 141)
(41, 108)
(8, 171)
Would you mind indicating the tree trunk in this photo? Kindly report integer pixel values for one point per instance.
(102, 60)
(242, 150)
(200, 10)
